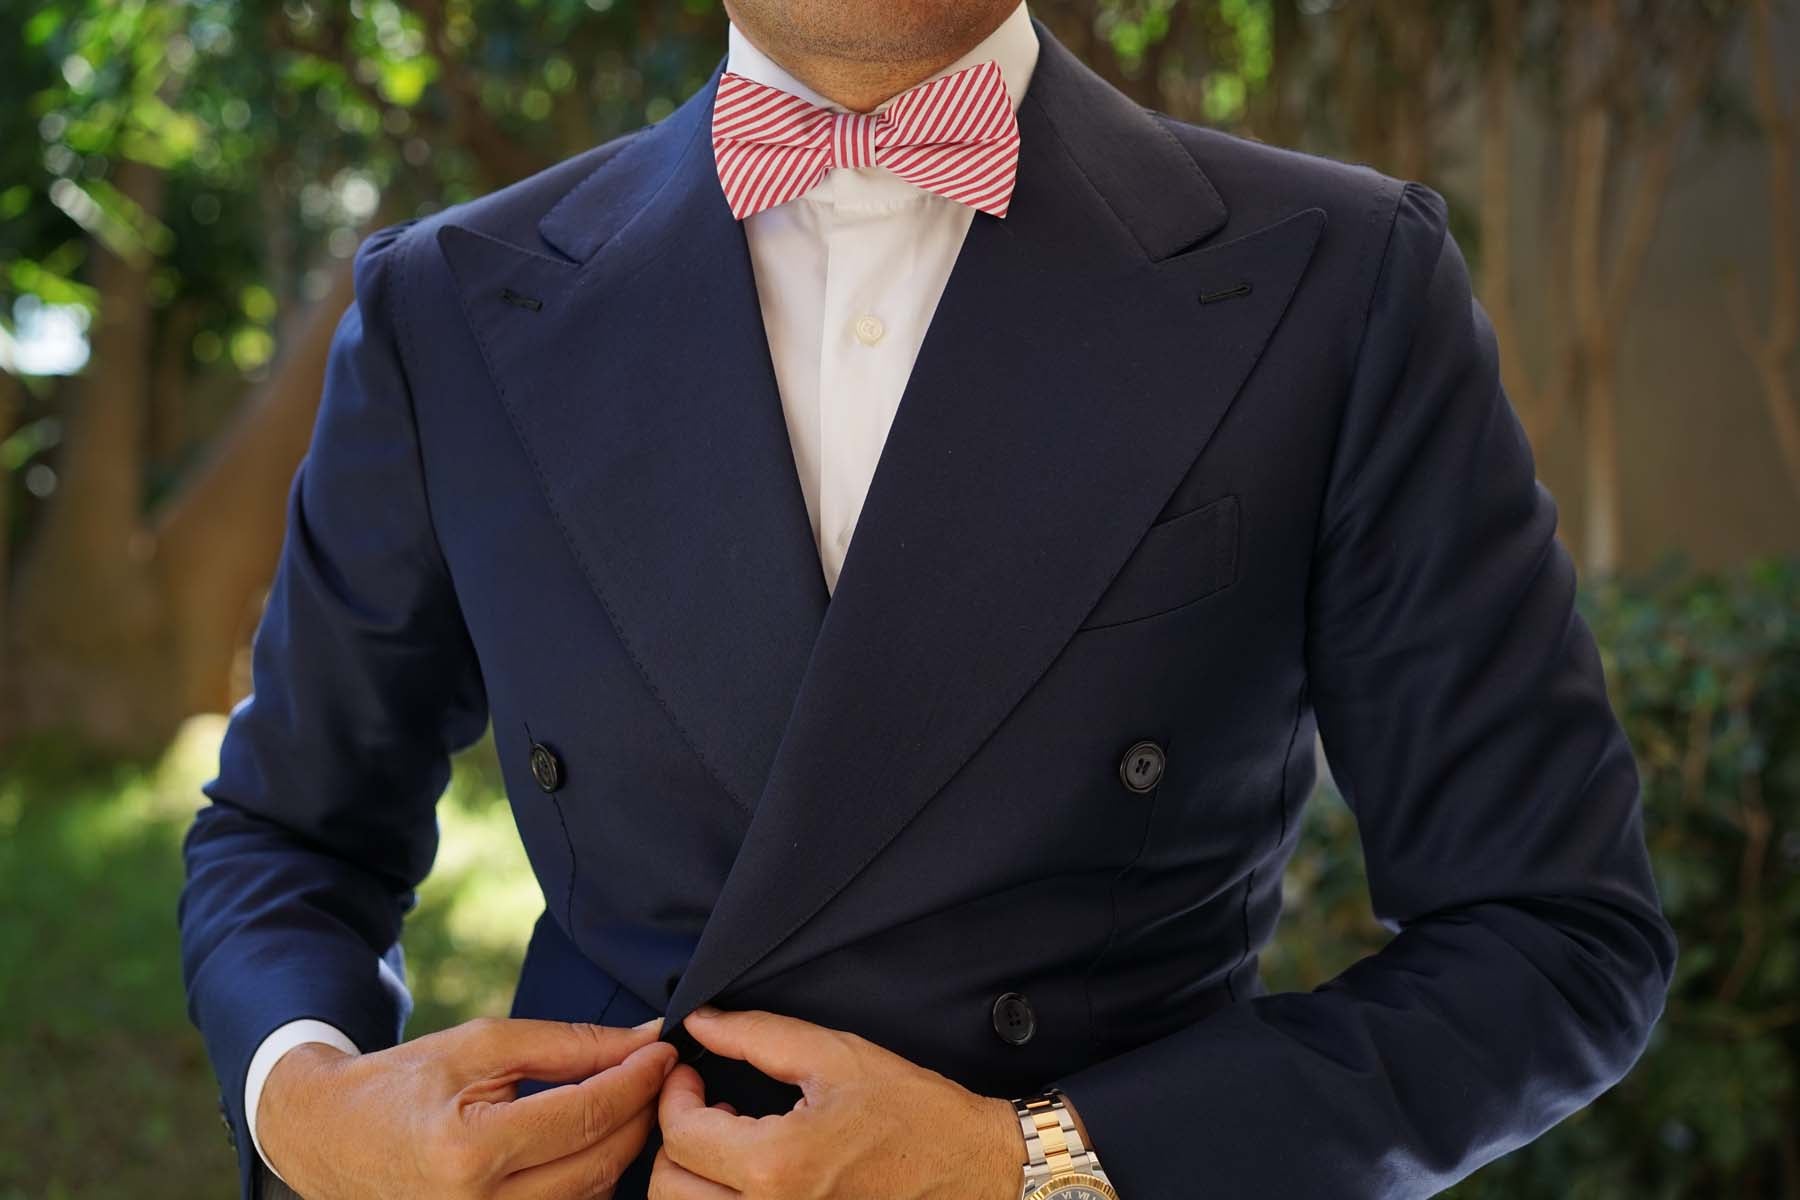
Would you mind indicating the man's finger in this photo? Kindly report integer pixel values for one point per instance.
(591, 1171)
(525, 1048)
(709, 1142)
(682, 1090)
(781, 1047)
(562, 1121)
(671, 1182)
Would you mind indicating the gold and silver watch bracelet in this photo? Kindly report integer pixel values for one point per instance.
(1053, 1144)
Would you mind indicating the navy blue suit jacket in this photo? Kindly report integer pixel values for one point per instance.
(1205, 446)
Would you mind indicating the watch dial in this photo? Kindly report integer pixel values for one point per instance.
(1079, 1191)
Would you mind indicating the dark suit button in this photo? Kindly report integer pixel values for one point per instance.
(1013, 1019)
(546, 768)
(1142, 767)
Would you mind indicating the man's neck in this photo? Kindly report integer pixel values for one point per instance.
(859, 85)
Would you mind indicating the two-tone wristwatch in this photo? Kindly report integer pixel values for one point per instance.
(1058, 1166)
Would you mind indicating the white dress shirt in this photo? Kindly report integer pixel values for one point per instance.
(848, 277)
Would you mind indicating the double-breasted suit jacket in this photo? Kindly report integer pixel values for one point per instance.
(1205, 450)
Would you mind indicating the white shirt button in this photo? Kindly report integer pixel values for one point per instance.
(843, 537)
(869, 330)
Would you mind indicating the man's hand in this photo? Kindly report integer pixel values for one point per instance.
(870, 1124)
(439, 1117)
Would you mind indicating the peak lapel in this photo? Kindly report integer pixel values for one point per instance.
(1068, 381)
(636, 372)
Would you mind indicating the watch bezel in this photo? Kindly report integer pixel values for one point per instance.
(1048, 1189)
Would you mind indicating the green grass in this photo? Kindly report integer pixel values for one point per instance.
(109, 1092)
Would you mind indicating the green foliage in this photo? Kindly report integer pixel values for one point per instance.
(237, 149)
(1705, 673)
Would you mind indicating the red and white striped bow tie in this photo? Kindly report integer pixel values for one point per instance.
(955, 136)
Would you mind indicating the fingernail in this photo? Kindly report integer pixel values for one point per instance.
(652, 1023)
(705, 1010)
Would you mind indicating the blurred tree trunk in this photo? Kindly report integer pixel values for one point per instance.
(1595, 336)
(84, 618)
(1772, 351)
(217, 541)
(1384, 86)
(1539, 407)
(1277, 115)
(1616, 156)
(124, 624)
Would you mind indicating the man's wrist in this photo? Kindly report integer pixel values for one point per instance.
(291, 1081)
(273, 1049)
(1008, 1169)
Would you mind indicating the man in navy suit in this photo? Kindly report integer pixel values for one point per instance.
(1164, 450)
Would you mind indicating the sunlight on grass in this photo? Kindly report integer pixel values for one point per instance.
(90, 985)
(467, 938)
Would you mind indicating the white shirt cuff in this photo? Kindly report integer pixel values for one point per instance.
(285, 1038)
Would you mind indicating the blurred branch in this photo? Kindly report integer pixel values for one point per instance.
(1756, 824)
(1694, 71)
(1741, 1024)
(217, 539)
(503, 157)
(1698, 754)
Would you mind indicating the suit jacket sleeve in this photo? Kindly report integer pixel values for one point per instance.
(1461, 703)
(364, 681)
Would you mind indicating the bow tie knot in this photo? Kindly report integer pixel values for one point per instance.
(955, 136)
(852, 142)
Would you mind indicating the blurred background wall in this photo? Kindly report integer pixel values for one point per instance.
(182, 186)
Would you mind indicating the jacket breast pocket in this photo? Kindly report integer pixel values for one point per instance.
(1179, 560)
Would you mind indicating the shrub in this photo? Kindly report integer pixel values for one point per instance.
(1704, 671)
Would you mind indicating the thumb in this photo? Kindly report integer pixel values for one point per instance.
(682, 1090)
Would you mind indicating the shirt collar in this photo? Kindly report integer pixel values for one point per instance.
(1014, 45)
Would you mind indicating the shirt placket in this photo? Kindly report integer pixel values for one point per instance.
(857, 368)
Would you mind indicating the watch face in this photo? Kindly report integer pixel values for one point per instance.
(1076, 1186)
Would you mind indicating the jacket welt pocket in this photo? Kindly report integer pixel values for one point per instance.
(1179, 560)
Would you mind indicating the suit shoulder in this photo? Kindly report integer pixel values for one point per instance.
(1260, 181)
(509, 213)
